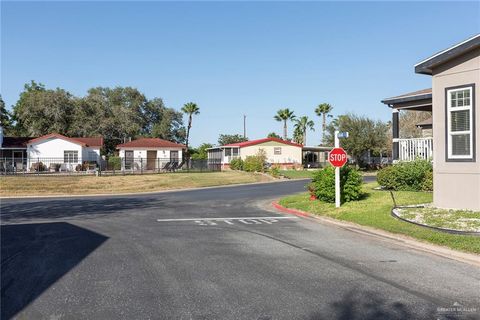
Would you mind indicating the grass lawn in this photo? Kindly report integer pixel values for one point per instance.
(308, 174)
(374, 211)
(297, 174)
(76, 185)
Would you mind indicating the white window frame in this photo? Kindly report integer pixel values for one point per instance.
(470, 132)
(69, 156)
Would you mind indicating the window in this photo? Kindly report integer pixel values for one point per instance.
(70, 156)
(235, 152)
(277, 150)
(460, 123)
(228, 152)
(92, 156)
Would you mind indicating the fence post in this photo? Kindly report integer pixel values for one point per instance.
(38, 166)
(141, 165)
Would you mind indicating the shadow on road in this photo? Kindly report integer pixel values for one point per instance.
(51, 209)
(34, 256)
(367, 305)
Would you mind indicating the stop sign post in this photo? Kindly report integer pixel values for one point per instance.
(338, 158)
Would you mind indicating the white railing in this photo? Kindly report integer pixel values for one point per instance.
(416, 148)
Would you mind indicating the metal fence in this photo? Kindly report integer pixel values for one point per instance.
(103, 166)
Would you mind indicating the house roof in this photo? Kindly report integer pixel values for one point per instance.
(258, 141)
(15, 142)
(150, 143)
(426, 66)
(411, 96)
(83, 141)
(425, 123)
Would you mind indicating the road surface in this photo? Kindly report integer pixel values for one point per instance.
(213, 254)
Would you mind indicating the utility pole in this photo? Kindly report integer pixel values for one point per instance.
(245, 126)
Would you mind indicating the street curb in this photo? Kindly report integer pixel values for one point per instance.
(469, 258)
(93, 195)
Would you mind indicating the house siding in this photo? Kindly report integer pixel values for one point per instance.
(162, 153)
(140, 157)
(52, 148)
(456, 184)
(290, 154)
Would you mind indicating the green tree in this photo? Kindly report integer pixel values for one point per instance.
(190, 109)
(5, 118)
(40, 111)
(364, 134)
(303, 124)
(284, 115)
(116, 114)
(273, 135)
(323, 111)
(170, 126)
(224, 139)
(201, 152)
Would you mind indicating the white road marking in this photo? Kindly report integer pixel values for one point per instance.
(223, 219)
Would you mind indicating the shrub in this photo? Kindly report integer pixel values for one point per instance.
(323, 184)
(427, 184)
(407, 176)
(274, 171)
(38, 166)
(236, 164)
(255, 163)
(114, 163)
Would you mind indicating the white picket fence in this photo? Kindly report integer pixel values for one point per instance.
(416, 148)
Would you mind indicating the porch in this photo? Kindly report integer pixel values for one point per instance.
(411, 148)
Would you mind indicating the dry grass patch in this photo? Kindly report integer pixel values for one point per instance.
(78, 185)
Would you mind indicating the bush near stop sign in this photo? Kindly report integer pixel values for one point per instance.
(323, 184)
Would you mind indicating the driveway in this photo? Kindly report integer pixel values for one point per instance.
(217, 253)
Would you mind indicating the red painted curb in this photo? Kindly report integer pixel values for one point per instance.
(291, 211)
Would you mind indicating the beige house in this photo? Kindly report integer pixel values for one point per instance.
(279, 152)
(455, 123)
(151, 154)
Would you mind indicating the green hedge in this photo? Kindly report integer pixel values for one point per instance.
(407, 176)
(254, 164)
(236, 164)
(114, 163)
(323, 184)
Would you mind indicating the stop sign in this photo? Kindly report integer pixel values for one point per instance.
(337, 157)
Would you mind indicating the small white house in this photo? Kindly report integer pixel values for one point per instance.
(61, 153)
(150, 154)
(285, 154)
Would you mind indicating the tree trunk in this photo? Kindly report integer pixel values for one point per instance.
(324, 127)
(304, 138)
(188, 136)
(284, 129)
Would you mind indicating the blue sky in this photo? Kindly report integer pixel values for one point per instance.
(233, 58)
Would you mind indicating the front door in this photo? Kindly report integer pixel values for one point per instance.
(128, 159)
(151, 157)
(18, 160)
(174, 156)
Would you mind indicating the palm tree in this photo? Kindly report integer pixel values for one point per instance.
(284, 115)
(190, 109)
(323, 111)
(302, 124)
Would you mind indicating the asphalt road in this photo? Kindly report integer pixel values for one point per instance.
(122, 258)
